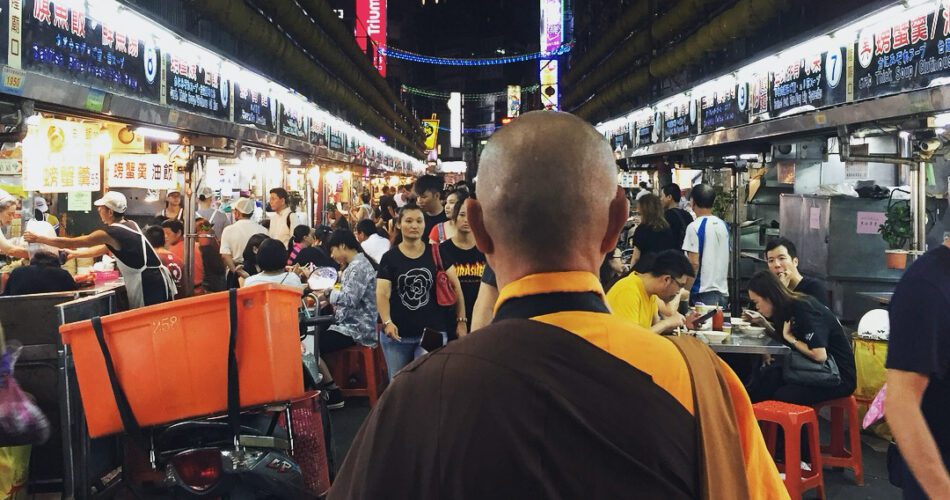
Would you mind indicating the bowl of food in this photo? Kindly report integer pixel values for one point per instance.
(740, 323)
(713, 337)
(754, 331)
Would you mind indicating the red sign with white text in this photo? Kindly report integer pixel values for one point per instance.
(371, 26)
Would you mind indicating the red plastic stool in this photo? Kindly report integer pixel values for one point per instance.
(367, 369)
(771, 415)
(835, 454)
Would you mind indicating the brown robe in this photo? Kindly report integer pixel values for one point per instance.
(523, 410)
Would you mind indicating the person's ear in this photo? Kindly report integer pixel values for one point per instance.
(476, 222)
(617, 217)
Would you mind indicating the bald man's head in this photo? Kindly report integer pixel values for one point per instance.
(546, 183)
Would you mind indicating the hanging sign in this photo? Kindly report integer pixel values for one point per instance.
(79, 201)
(9, 24)
(294, 122)
(318, 131)
(726, 106)
(371, 27)
(140, 171)
(514, 100)
(908, 54)
(193, 87)
(64, 40)
(430, 129)
(645, 128)
(58, 157)
(680, 119)
(9, 166)
(254, 107)
(810, 82)
(335, 142)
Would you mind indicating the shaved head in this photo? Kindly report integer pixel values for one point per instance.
(547, 184)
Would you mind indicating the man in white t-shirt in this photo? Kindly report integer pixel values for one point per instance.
(707, 246)
(373, 244)
(234, 237)
(283, 222)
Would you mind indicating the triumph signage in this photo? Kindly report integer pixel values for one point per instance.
(371, 27)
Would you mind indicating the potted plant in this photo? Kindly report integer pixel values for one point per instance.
(897, 231)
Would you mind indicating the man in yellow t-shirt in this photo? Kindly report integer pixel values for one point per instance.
(660, 277)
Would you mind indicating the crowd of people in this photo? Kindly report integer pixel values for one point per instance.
(569, 335)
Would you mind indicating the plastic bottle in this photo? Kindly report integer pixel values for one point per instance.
(717, 320)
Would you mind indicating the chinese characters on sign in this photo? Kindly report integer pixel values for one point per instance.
(870, 222)
(140, 171)
(58, 157)
(727, 106)
(193, 87)
(253, 107)
(63, 40)
(294, 123)
(808, 82)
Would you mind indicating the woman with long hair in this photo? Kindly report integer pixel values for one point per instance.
(250, 253)
(445, 231)
(460, 252)
(653, 235)
(611, 269)
(406, 294)
(302, 238)
(810, 329)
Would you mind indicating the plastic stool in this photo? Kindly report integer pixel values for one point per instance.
(369, 365)
(835, 454)
(792, 418)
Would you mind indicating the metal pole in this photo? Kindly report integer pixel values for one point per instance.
(190, 236)
(919, 193)
(736, 242)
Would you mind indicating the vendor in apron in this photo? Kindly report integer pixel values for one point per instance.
(147, 281)
(8, 209)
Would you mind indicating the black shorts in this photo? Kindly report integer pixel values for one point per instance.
(331, 341)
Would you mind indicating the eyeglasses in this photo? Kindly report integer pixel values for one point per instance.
(681, 285)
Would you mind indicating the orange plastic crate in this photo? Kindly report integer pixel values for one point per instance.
(172, 359)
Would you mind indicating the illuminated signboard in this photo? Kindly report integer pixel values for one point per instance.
(254, 107)
(371, 26)
(59, 157)
(194, 86)
(140, 171)
(66, 40)
(552, 36)
(808, 82)
(294, 122)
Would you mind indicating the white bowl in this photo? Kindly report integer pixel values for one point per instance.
(754, 331)
(740, 323)
(714, 337)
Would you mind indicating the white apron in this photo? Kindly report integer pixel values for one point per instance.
(133, 276)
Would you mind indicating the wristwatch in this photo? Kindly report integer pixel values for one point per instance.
(461, 320)
(387, 322)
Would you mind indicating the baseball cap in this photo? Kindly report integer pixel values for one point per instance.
(244, 205)
(5, 196)
(39, 203)
(113, 200)
(205, 193)
(172, 191)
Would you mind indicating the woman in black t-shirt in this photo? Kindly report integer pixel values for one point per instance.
(811, 330)
(460, 252)
(406, 296)
(653, 235)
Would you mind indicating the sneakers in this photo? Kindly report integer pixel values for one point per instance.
(804, 466)
(334, 399)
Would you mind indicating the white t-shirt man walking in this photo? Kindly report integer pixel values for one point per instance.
(707, 246)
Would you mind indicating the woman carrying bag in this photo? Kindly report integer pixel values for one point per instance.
(820, 366)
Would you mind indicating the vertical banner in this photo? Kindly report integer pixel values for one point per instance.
(430, 128)
(371, 27)
(514, 100)
(552, 36)
(455, 119)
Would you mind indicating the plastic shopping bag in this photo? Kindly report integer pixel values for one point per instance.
(875, 409)
(21, 421)
(14, 472)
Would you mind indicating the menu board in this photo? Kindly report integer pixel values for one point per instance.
(906, 55)
(140, 171)
(58, 157)
(5, 40)
(254, 107)
(192, 87)
(318, 132)
(680, 120)
(294, 122)
(647, 131)
(60, 39)
(335, 143)
(817, 81)
(727, 106)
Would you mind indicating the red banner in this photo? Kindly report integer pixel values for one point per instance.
(371, 26)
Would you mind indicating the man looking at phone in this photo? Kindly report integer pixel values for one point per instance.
(641, 297)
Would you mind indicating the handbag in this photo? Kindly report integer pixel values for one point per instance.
(800, 370)
(444, 293)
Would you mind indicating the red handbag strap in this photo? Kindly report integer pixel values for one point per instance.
(436, 256)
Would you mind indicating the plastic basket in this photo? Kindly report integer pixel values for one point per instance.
(171, 359)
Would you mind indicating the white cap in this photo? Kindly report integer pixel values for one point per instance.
(172, 191)
(113, 200)
(39, 203)
(244, 205)
(5, 196)
(206, 192)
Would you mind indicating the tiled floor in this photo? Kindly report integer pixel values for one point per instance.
(838, 485)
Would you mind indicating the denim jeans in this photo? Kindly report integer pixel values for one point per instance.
(711, 298)
(399, 353)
